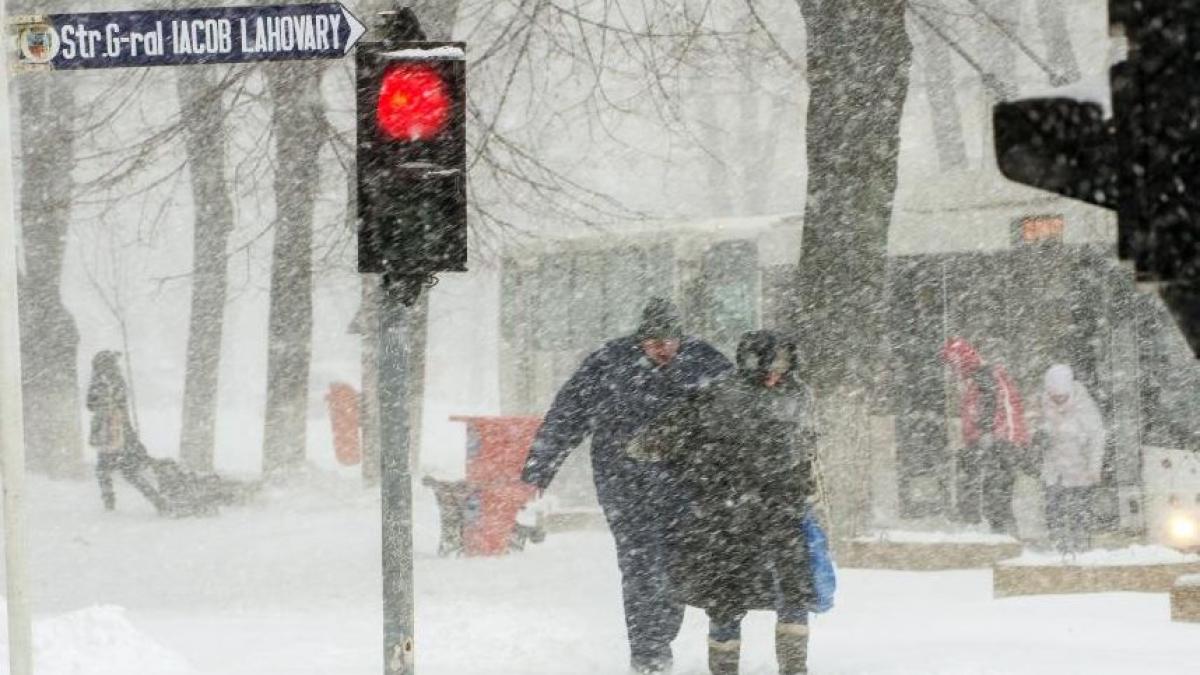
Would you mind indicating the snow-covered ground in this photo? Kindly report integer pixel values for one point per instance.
(290, 586)
(1118, 557)
(921, 537)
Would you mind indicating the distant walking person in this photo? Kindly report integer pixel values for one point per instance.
(994, 436)
(615, 392)
(1072, 438)
(112, 433)
(743, 449)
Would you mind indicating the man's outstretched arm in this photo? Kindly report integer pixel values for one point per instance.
(569, 419)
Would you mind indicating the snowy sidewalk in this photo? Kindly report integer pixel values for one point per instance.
(291, 587)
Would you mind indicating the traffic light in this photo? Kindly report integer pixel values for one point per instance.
(1143, 162)
(1060, 145)
(1156, 113)
(412, 198)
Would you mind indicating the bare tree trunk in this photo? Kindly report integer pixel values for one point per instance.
(1000, 16)
(751, 183)
(1002, 54)
(203, 116)
(940, 89)
(845, 463)
(437, 17)
(297, 122)
(716, 168)
(368, 312)
(858, 60)
(1053, 19)
(50, 341)
(368, 325)
(418, 334)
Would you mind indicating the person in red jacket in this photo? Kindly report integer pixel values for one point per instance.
(994, 437)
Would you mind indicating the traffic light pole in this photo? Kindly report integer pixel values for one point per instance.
(399, 295)
(411, 201)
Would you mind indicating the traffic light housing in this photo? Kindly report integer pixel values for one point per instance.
(1143, 162)
(1060, 145)
(411, 158)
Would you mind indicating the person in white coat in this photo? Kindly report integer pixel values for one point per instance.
(1073, 442)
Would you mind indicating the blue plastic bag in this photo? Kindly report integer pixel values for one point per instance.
(821, 562)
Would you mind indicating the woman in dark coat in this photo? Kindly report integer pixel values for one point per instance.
(740, 450)
(112, 433)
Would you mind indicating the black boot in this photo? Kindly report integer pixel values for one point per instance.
(658, 664)
(791, 648)
(104, 477)
(650, 667)
(723, 656)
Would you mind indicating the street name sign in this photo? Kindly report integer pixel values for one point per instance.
(185, 36)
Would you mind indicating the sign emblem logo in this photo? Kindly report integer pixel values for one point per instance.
(38, 42)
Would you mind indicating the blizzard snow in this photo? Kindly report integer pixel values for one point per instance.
(290, 586)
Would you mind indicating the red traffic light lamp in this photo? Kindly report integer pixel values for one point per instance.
(414, 104)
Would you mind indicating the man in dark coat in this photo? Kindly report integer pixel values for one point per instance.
(616, 391)
(742, 449)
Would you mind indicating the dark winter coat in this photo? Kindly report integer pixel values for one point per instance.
(107, 400)
(616, 392)
(742, 452)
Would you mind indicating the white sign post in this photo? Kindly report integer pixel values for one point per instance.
(12, 427)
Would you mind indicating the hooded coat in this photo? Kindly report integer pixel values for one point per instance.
(741, 452)
(991, 402)
(1074, 431)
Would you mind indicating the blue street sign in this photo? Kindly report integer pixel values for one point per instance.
(186, 36)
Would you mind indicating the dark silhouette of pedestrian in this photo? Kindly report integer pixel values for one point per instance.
(742, 450)
(112, 433)
(612, 396)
